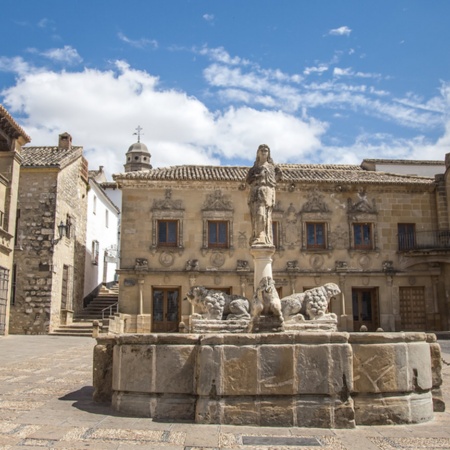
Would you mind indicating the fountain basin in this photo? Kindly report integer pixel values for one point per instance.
(304, 379)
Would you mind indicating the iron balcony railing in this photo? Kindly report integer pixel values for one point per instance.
(424, 240)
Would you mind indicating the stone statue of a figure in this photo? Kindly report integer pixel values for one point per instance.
(262, 178)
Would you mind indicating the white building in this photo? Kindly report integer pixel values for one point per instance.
(101, 236)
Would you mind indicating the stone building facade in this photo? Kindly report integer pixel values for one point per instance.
(51, 237)
(383, 238)
(12, 138)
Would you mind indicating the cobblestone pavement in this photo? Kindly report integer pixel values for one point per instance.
(46, 403)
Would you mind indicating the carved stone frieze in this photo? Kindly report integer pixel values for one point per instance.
(315, 203)
(167, 203)
(362, 205)
(217, 201)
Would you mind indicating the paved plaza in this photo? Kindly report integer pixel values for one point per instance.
(46, 403)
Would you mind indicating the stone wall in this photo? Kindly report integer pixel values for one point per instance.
(46, 197)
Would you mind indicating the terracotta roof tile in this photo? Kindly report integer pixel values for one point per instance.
(326, 173)
(4, 114)
(49, 156)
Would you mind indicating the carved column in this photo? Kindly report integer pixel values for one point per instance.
(262, 259)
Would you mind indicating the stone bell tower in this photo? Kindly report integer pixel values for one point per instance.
(138, 156)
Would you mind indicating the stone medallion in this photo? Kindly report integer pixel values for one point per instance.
(316, 261)
(166, 259)
(217, 259)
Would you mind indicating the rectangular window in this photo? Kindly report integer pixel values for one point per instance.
(315, 235)
(218, 234)
(406, 236)
(94, 206)
(168, 233)
(106, 218)
(362, 233)
(2, 218)
(95, 252)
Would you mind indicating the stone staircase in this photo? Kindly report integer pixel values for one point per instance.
(74, 329)
(105, 299)
(105, 304)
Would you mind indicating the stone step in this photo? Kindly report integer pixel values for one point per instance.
(74, 329)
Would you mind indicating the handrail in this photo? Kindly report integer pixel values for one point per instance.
(110, 309)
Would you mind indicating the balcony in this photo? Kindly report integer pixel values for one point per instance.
(424, 241)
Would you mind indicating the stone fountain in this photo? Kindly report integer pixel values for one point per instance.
(270, 361)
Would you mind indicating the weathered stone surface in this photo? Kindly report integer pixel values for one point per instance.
(276, 370)
(240, 370)
(102, 373)
(391, 410)
(381, 368)
(276, 412)
(134, 368)
(175, 369)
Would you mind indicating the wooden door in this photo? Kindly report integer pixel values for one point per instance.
(166, 310)
(412, 308)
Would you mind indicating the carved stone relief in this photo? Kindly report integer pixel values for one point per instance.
(315, 203)
(242, 265)
(167, 203)
(242, 239)
(362, 205)
(291, 227)
(217, 201)
(364, 261)
(339, 238)
(166, 259)
(192, 264)
(141, 264)
(217, 259)
(316, 261)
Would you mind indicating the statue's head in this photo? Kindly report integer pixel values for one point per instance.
(263, 154)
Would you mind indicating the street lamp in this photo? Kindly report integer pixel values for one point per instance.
(62, 227)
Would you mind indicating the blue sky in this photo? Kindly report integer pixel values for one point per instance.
(208, 81)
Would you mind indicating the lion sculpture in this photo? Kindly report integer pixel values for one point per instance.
(216, 305)
(311, 304)
(266, 301)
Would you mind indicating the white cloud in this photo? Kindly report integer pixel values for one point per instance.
(138, 43)
(341, 31)
(101, 110)
(208, 17)
(219, 54)
(15, 65)
(67, 54)
(316, 69)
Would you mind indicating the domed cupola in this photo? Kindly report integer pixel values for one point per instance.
(138, 156)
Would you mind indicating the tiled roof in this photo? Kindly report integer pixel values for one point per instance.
(325, 173)
(49, 156)
(10, 125)
(408, 162)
